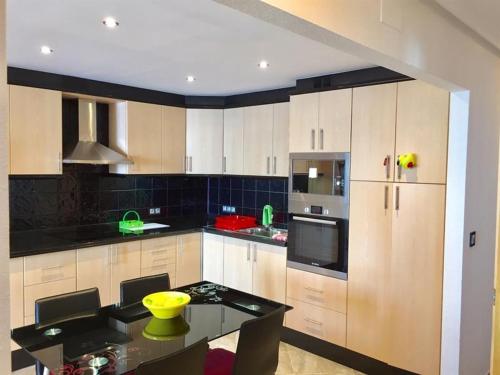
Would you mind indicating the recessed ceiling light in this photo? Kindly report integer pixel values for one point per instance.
(46, 50)
(190, 78)
(263, 64)
(110, 22)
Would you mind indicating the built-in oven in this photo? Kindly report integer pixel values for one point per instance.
(318, 201)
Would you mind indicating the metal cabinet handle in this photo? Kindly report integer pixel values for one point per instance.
(190, 164)
(321, 139)
(223, 314)
(274, 166)
(268, 165)
(386, 197)
(399, 170)
(224, 164)
(397, 198)
(313, 290)
(186, 164)
(313, 321)
(387, 163)
(248, 252)
(255, 253)
(313, 136)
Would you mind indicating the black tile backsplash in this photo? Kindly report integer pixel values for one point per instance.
(249, 195)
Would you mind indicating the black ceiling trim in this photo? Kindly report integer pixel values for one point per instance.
(52, 81)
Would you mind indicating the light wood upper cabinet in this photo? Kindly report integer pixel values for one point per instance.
(422, 128)
(35, 131)
(174, 139)
(153, 136)
(213, 258)
(269, 272)
(204, 139)
(370, 221)
(258, 136)
(304, 120)
(188, 267)
(373, 132)
(281, 122)
(416, 278)
(93, 270)
(321, 122)
(334, 133)
(234, 122)
(238, 268)
(125, 265)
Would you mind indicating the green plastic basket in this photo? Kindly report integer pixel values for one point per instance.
(125, 224)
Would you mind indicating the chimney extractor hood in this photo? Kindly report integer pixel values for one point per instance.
(88, 150)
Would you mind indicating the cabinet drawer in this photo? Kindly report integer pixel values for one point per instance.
(158, 252)
(160, 268)
(39, 269)
(316, 321)
(319, 290)
(34, 292)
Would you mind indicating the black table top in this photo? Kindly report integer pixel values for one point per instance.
(116, 339)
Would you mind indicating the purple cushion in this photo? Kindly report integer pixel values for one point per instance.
(219, 362)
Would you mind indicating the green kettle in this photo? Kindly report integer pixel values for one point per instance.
(267, 215)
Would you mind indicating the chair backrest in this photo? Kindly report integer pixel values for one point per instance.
(134, 290)
(67, 306)
(190, 360)
(258, 345)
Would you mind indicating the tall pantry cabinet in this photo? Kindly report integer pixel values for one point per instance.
(396, 224)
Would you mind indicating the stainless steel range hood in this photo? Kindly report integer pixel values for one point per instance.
(88, 150)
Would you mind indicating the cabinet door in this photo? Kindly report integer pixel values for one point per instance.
(373, 132)
(188, 259)
(204, 321)
(334, 133)
(213, 258)
(125, 265)
(281, 139)
(369, 250)
(233, 140)
(237, 264)
(258, 145)
(416, 274)
(173, 139)
(16, 293)
(269, 272)
(93, 269)
(43, 268)
(35, 131)
(422, 128)
(204, 138)
(158, 255)
(304, 119)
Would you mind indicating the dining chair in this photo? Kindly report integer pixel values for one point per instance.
(134, 290)
(190, 360)
(257, 351)
(64, 307)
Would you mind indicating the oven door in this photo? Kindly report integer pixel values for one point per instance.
(318, 244)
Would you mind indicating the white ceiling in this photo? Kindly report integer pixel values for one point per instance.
(482, 16)
(159, 42)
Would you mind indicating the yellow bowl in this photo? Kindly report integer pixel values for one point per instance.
(166, 305)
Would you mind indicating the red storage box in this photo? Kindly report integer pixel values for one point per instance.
(235, 222)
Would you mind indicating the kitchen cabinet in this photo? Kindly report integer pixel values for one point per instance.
(173, 139)
(125, 265)
(39, 269)
(35, 122)
(159, 255)
(238, 268)
(188, 266)
(422, 128)
(281, 122)
(269, 272)
(204, 321)
(321, 122)
(258, 136)
(16, 292)
(213, 258)
(395, 273)
(204, 141)
(373, 132)
(234, 122)
(94, 271)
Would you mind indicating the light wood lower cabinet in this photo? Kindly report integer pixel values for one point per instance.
(188, 265)
(213, 258)
(238, 268)
(159, 256)
(44, 268)
(125, 265)
(269, 272)
(94, 270)
(16, 296)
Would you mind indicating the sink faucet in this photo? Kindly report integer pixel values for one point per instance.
(267, 216)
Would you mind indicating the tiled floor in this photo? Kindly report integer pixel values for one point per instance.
(292, 360)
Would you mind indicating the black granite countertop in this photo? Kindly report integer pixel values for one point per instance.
(34, 242)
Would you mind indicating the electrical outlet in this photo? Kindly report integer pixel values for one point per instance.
(154, 211)
(157, 210)
(233, 209)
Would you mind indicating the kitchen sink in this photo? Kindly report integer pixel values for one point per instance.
(262, 231)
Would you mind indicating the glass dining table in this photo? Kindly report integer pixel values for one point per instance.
(115, 339)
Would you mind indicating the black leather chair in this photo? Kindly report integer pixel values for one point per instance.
(134, 290)
(190, 360)
(257, 351)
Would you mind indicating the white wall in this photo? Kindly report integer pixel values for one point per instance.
(4, 207)
(425, 42)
